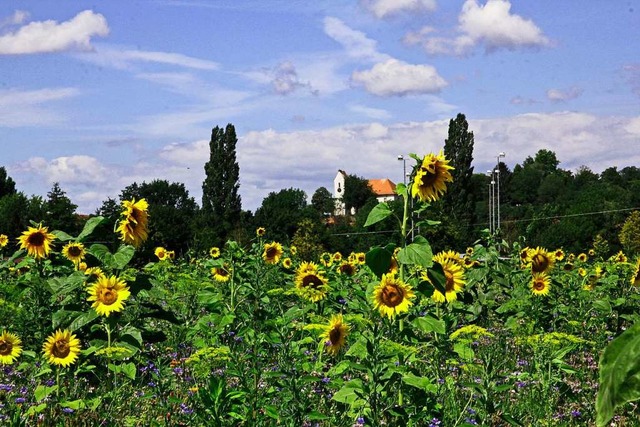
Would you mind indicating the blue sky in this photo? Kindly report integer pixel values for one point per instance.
(97, 96)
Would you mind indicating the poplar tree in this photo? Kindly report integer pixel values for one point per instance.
(221, 205)
(458, 202)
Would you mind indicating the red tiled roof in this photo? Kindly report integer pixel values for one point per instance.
(382, 187)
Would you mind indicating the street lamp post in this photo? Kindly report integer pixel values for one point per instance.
(501, 154)
(490, 186)
(404, 180)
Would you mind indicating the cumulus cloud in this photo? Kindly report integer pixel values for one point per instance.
(373, 113)
(559, 95)
(31, 108)
(285, 79)
(356, 43)
(18, 17)
(386, 8)
(491, 25)
(80, 170)
(397, 78)
(51, 36)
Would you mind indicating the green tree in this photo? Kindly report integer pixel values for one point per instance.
(7, 185)
(630, 233)
(61, 212)
(281, 212)
(322, 201)
(307, 239)
(221, 204)
(357, 193)
(458, 203)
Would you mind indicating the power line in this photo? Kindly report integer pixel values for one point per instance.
(565, 216)
(364, 232)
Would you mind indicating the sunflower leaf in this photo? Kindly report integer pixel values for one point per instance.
(418, 253)
(437, 278)
(62, 236)
(379, 259)
(379, 213)
(89, 226)
(429, 324)
(619, 374)
(123, 255)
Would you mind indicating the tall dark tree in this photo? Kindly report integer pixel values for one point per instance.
(459, 201)
(61, 212)
(7, 185)
(221, 204)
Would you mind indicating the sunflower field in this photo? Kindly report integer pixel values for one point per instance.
(497, 334)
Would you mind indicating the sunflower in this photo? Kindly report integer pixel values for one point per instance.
(161, 253)
(214, 252)
(3, 240)
(392, 296)
(335, 333)
(635, 279)
(620, 257)
(37, 241)
(361, 257)
(94, 273)
(583, 257)
(541, 260)
(287, 263)
(468, 262)
(260, 231)
(221, 274)
(74, 252)
(133, 227)
(109, 295)
(171, 254)
(571, 258)
(310, 283)
(347, 268)
(430, 178)
(582, 272)
(454, 279)
(567, 266)
(10, 348)
(61, 348)
(540, 284)
(450, 256)
(337, 257)
(293, 250)
(81, 266)
(593, 278)
(469, 251)
(558, 254)
(326, 259)
(592, 252)
(524, 255)
(272, 252)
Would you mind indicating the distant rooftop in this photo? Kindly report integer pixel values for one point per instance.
(382, 187)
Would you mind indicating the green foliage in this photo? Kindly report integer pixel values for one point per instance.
(619, 374)
(322, 201)
(357, 193)
(221, 204)
(630, 233)
(281, 212)
(7, 184)
(307, 239)
(60, 211)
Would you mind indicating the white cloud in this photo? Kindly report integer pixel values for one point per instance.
(126, 58)
(18, 17)
(285, 80)
(27, 108)
(491, 25)
(79, 170)
(559, 95)
(397, 78)
(632, 75)
(51, 36)
(386, 8)
(373, 113)
(356, 43)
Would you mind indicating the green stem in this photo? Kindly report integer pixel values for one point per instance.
(58, 383)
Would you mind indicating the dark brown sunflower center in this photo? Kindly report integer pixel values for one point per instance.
(539, 263)
(449, 280)
(222, 272)
(392, 295)
(428, 179)
(312, 281)
(108, 296)
(36, 239)
(5, 347)
(271, 253)
(75, 251)
(334, 335)
(61, 349)
(538, 285)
